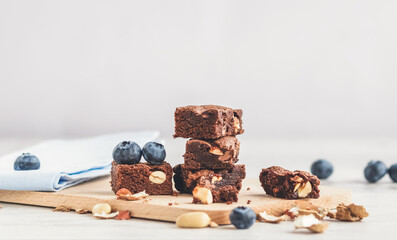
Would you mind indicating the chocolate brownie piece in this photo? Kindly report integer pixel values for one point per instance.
(224, 184)
(212, 154)
(207, 122)
(154, 179)
(222, 194)
(282, 183)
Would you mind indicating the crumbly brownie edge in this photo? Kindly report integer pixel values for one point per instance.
(276, 181)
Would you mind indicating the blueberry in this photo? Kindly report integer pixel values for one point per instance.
(393, 172)
(374, 171)
(322, 169)
(127, 152)
(26, 162)
(242, 217)
(154, 153)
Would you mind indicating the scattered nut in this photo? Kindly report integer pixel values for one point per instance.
(249, 201)
(100, 208)
(351, 212)
(304, 189)
(248, 188)
(123, 215)
(236, 123)
(81, 211)
(305, 221)
(331, 214)
(193, 220)
(317, 214)
(213, 224)
(319, 228)
(216, 179)
(292, 213)
(265, 217)
(157, 177)
(202, 195)
(104, 215)
(125, 194)
(216, 151)
(61, 209)
(170, 204)
(310, 222)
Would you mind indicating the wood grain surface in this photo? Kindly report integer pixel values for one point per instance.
(86, 195)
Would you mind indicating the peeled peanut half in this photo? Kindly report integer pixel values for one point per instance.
(193, 220)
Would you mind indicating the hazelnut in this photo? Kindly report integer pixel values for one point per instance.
(125, 194)
(304, 189)
(236, 123)
(100, 208)
(216, 151)
(227, 155)
(202, 195)
(297, 179)
(216, 179)
(157, 177)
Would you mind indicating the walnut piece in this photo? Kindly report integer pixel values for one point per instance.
(350, 213)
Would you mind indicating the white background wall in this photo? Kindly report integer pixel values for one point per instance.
(296, 68)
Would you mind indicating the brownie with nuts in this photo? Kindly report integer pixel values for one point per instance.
(221, 153)
(207, 122)
(225, 184)
(282, 183)
(154, 179)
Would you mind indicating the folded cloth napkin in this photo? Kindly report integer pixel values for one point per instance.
(65, 163)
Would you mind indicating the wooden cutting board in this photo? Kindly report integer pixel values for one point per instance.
(86, 195)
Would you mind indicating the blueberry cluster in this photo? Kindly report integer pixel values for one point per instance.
(129, 152)
(375, 170)
(26, 162)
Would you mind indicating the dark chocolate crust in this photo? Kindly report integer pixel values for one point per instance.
(221, 153)
(207, 122)
(280, 182)
(223, 190)
(136, 178)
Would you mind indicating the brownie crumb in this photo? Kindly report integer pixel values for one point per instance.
(170, 204)
(229, 202)
(249, 201)
(248, 188)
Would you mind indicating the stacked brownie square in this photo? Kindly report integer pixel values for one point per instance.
(209, 171)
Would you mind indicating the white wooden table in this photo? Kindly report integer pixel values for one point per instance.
(348, 156)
